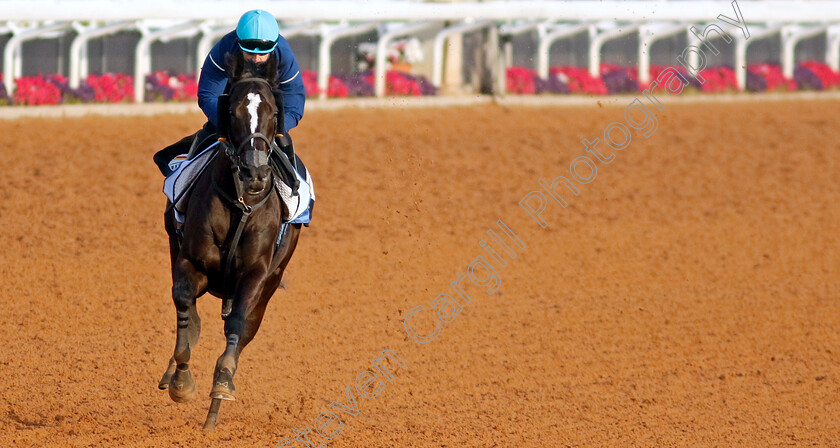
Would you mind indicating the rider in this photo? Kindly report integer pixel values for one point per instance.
(258, 37)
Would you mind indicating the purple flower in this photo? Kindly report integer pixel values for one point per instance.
(552, 85)
(426, 86)
(755, 82)
(156, 90)
(356, 84)
(806, 79)
(86, 93)
(619, 81)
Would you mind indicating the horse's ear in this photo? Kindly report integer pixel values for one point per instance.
(278, 101)
(271, 71)
(235, 62)
(223, 114)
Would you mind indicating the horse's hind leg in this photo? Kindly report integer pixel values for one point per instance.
(187, 283)
(194, 331)
(194, 323)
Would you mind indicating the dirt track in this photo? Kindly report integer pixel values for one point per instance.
(689, 296)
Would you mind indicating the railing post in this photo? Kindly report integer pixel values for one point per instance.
(548, 39)
(599, 41)
(78, 49)
(741, 46)
(648, 34)
(12, 57)
(328, 38)
(382, 50)
(440, 40)
(142, 56)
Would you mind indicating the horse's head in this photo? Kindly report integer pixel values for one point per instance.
(249, 122)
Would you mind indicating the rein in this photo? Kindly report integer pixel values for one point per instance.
(227, 300)
(239, 202)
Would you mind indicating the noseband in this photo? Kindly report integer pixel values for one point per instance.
(259, 159)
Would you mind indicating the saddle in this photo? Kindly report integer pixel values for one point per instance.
(292, 180)
(284, 168)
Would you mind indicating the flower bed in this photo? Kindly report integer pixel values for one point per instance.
(162, 86)
(397, 83)
(111, 88)
(763, 77)
(106, 88)
(812, 75)
(614, 79)
(36, 91)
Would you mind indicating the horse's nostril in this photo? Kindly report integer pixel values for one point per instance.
(263, 173)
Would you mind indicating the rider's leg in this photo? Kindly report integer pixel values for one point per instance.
(287, 147)
(165, 155)
(187, 145)
(207, 130)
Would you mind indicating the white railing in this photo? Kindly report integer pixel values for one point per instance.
(570, 10)
(329, 21)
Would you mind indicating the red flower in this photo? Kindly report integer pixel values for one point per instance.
(400, 84)
(656, 70)
(336, 88)
(827, 76)
(310, 83)
(772, 75)
(112, 88)
(36, 90)
(520, 80)
(579, 80)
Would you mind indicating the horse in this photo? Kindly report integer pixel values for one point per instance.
(229, 245)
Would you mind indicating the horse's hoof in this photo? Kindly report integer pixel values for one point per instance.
(223, 387)
(167, 376)
(182, 386)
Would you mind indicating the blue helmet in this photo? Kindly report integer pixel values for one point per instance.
(257, 31)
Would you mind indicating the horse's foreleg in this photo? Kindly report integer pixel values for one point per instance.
(226, 365)
(212, 414)
(187, 283)
(240, 327)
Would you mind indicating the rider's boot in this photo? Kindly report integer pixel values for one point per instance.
(189, 145)
(165, 155)
(284, 142)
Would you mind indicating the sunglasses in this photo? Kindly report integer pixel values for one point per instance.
(257, 45)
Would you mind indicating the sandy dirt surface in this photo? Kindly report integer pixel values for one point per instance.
(689, 296)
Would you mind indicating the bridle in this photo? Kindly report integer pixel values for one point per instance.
(254, 157)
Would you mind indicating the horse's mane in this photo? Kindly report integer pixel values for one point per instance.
(239, 68)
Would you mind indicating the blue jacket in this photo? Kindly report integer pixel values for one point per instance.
(214, 79)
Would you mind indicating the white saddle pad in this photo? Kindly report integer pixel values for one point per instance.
(177, 185)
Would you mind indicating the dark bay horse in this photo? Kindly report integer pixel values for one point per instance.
(228, 243)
